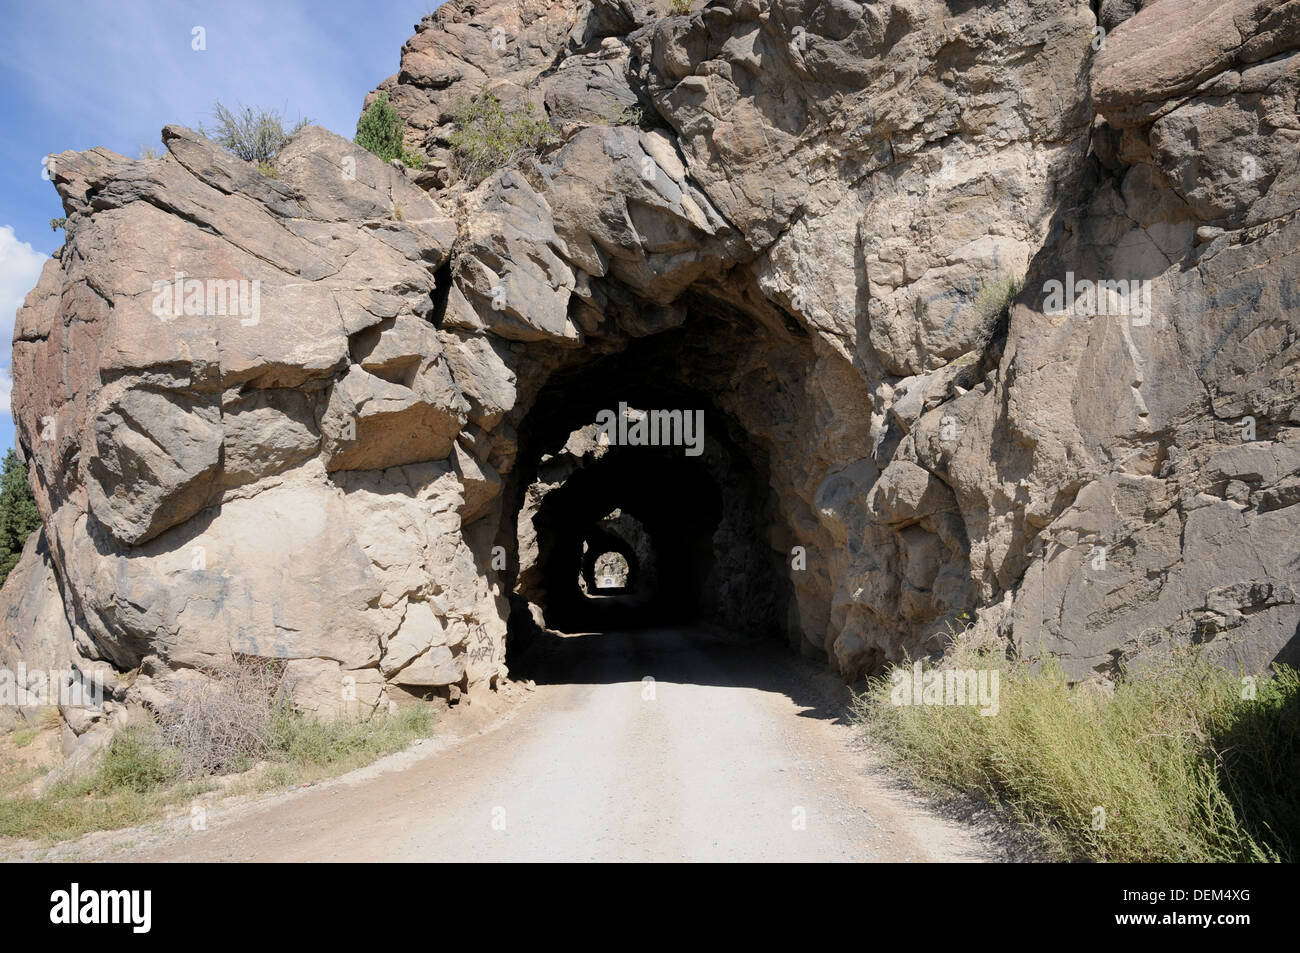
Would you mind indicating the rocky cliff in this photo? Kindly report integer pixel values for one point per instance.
(805, 218)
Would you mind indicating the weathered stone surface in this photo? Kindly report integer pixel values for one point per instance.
(37, 636)
(156, 457)
(435, 667)
(372, 424)
(324, 689)
(187, 449)
(1173, 46)
(510, 278)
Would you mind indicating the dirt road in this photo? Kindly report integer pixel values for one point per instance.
(665, 745)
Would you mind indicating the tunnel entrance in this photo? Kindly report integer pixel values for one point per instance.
(609, 573)
(633, 461)
(677, 502)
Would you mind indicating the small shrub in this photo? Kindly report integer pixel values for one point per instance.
(993, 309)
(57, 223)
(137, 760)
(488, 138)
(222, 723)
(380, 130)
(679, 8)
(254, 135)
(631, 116)
(993, 301)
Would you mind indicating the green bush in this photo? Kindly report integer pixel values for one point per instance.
(993, 308)
(1183, 766)
(488, 138)
(138, 760)
(993, 301)
(254, 135)
(19, 517)
(307, 742)
(679, 8)
(380, 130)
(630, 116)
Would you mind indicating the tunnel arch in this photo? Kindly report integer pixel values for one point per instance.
(710, 516)
(610, 571)
(679, 524)
(599, 542)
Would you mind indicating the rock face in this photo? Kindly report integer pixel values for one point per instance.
(324, 416)
(272, 478)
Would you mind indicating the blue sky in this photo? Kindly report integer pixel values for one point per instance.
(112, 74)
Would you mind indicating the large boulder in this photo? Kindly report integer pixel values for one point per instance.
(244, 344)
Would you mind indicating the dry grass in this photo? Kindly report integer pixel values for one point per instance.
(230, 722)
(223, 722)
(1182, 765)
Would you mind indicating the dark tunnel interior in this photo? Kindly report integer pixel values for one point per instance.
(677, 502)
(692, 521)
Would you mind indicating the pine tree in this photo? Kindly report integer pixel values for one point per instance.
(18, 514)
(380, 130)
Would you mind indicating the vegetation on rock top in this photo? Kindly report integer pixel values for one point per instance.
(489, 137)
(254, 135)
(380, 130)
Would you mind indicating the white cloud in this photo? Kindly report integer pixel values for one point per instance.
(20, 267)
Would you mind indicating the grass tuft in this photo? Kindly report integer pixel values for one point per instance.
(1182, 766)
(307, 742)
